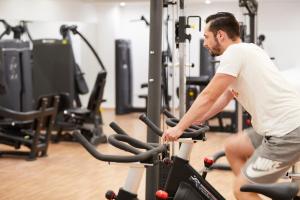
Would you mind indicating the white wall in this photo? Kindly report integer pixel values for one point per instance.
(116, 22)
(102, 23)
(45, 17)
(47, 10)
(280, 22)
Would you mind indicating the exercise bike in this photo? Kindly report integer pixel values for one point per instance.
(183, 182)
(138, 162)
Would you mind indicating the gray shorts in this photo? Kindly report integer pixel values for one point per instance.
(273, 156)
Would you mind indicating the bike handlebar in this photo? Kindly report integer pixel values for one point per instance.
(194, 132)
(138, 144)
(168, 114)
(118, 141)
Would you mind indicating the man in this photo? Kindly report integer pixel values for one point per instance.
(246, 73)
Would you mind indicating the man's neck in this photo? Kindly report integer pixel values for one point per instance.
(231, 42)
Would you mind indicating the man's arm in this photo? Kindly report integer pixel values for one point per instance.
(201, 106)
(217, 107)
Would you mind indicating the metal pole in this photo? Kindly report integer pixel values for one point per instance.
(174, 60)
(252, 28)
(154, 88)
(182, 78)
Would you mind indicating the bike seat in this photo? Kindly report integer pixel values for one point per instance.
(276, 191)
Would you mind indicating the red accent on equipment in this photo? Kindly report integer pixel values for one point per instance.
(161, 195)
(248, 122)
(208, 161)
(110, 195)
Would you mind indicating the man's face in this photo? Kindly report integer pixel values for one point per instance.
(211, 42)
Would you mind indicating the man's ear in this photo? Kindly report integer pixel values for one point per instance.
(221, 35)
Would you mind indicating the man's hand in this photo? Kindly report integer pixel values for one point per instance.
(172, 134)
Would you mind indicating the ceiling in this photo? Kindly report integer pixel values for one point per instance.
(188, 1)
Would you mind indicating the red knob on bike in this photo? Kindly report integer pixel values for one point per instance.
(248, 122)
(161, 195)
(110, 195)
(208, 162)
(167, 161)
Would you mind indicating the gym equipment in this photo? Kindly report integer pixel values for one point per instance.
(154, 79)
(53, 74)
(251, 6)
(124, 79)
(60, 74)
(89, 119)
(17, 30)
(27, 128)
(20, 123)
(142, 18)
(138, 162)
(154, 87)
(124, 85)
(277, 191)
(129, 191)
(185, 183)
(15, 67)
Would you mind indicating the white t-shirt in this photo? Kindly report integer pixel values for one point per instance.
(272, 102)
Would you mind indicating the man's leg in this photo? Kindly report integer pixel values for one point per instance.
(238, 149)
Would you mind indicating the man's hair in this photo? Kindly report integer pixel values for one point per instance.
(226, 22)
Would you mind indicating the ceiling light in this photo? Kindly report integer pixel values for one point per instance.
(122, 4)
(208, 1)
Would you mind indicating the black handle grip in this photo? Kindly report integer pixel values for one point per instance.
(120, 141)
(173, 122)
(149, 123)
(137, 144)
(117, 128)
(168, 114)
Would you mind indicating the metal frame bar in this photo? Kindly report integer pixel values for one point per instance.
(154, 88)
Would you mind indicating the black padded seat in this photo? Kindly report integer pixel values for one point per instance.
(276, 191)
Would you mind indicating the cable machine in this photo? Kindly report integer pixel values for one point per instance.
(155, 175)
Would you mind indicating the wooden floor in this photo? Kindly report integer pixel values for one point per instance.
(70, 173)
